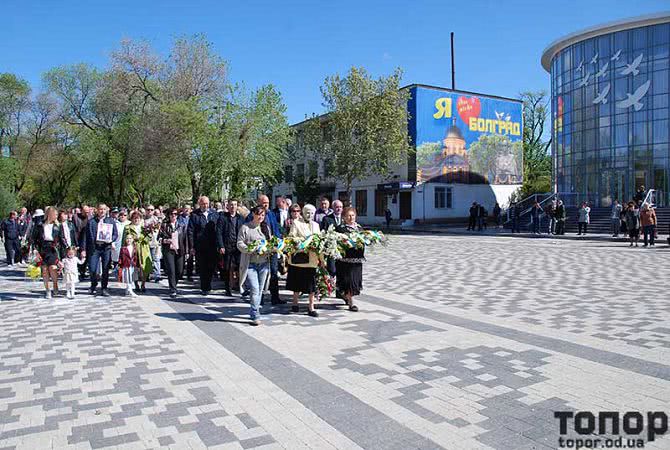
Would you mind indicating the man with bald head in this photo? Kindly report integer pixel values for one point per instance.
(273, 223)
(202, 242)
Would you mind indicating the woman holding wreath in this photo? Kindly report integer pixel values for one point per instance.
(350, 267)
(302, 266)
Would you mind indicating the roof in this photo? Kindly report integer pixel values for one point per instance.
(599, 30)
(428, 86)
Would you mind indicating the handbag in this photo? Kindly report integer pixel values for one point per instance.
(300, 258)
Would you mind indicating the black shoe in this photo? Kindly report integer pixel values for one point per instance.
(144, 289)
(189, 279)
(353, 308)
(295, 308)
(105, 293)
(91, 291)
(173, 294)
(313, 313)
(227, 293)
(204, 293)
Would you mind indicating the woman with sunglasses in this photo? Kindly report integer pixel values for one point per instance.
(172, 236)
(301, 276)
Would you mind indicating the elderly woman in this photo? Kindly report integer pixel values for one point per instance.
(254, 268)
(136, 230)
(350, 268)
(301, 276)
(47, 239)
(172, 236)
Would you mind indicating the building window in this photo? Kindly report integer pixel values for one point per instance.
(381, 202)
(288, 174)
(443, 197)
(300, 171)
(362, 202)
(313, 169)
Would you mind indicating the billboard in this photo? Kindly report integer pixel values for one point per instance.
(466, 138)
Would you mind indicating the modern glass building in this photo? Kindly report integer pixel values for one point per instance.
(610, 92)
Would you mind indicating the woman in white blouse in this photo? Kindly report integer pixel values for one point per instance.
(302, 266)
(47, 238)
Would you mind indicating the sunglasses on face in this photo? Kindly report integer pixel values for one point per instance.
(174, 214)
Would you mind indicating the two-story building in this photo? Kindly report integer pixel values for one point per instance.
(467, 148)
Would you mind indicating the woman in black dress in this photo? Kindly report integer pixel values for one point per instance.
(47, 240)
(350, 267)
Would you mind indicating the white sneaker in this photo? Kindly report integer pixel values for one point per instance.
(48, 295)
(133, 294)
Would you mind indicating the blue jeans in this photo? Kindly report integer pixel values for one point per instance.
(101, 257)
(256, 276)
(156, 264)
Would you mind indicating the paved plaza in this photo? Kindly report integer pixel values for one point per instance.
(461, 342)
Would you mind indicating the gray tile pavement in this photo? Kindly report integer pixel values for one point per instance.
(461, 342)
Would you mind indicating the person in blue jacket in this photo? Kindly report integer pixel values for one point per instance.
(96, 241)
(273, 223)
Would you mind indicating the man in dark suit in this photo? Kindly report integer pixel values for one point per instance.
(333, 220)
(10, 232)
(80, 220)
(202, 242)
(97, 240)
(271, 220)
(227, 228)
(472, 221)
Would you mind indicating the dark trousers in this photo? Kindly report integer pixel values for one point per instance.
(174, 267)
(650, 231)
(13, 251)
(536, 224)
(207, 263)
(189, 265)
(101, 257)
(471, 223)
(582, 226)
(560, 227)
(82, 267)
(274, 278)
(516, 228)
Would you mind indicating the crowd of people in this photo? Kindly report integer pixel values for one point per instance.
(145, 244)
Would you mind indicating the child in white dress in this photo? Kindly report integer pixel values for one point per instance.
(128, 264)
(71, 271)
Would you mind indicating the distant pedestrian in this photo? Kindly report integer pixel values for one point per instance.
(515, 213)
(388, 216)
(497, 217)
(560, 218)
(648, 222)
(550, 212)
(472, 220)
(535, 214)
(616, 218)
(11, 234)
(583, 219)
(633, 223)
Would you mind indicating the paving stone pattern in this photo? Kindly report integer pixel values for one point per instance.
(461, 342)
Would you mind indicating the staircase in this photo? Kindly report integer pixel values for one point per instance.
(601, 222)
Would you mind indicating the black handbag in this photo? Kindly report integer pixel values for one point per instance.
(300, 258)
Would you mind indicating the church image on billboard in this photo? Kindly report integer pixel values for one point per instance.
(466, 138)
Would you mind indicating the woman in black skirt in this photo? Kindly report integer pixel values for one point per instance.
(302, 266)
(47, 241)
(350, 268)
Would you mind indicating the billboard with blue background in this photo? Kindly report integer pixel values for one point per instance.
(466, 138)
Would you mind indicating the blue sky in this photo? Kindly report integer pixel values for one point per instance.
(296, 44)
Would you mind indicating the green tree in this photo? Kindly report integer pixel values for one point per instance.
(536, 155)
(364, 130)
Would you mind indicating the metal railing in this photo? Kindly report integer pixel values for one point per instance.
(526, 204)
(650, 198)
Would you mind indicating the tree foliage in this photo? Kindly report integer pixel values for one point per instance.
(536, 155)
(147, 128)
(364, 130)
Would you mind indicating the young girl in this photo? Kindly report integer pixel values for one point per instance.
(128, 262)
(71, 271)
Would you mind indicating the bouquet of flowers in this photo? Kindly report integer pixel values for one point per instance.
(324, 282)
(33, 270)
(362, 239)
(259, 247)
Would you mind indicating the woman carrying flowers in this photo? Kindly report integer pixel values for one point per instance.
(255, 261)
(350, 267)
(302, 264)
(141, 240)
